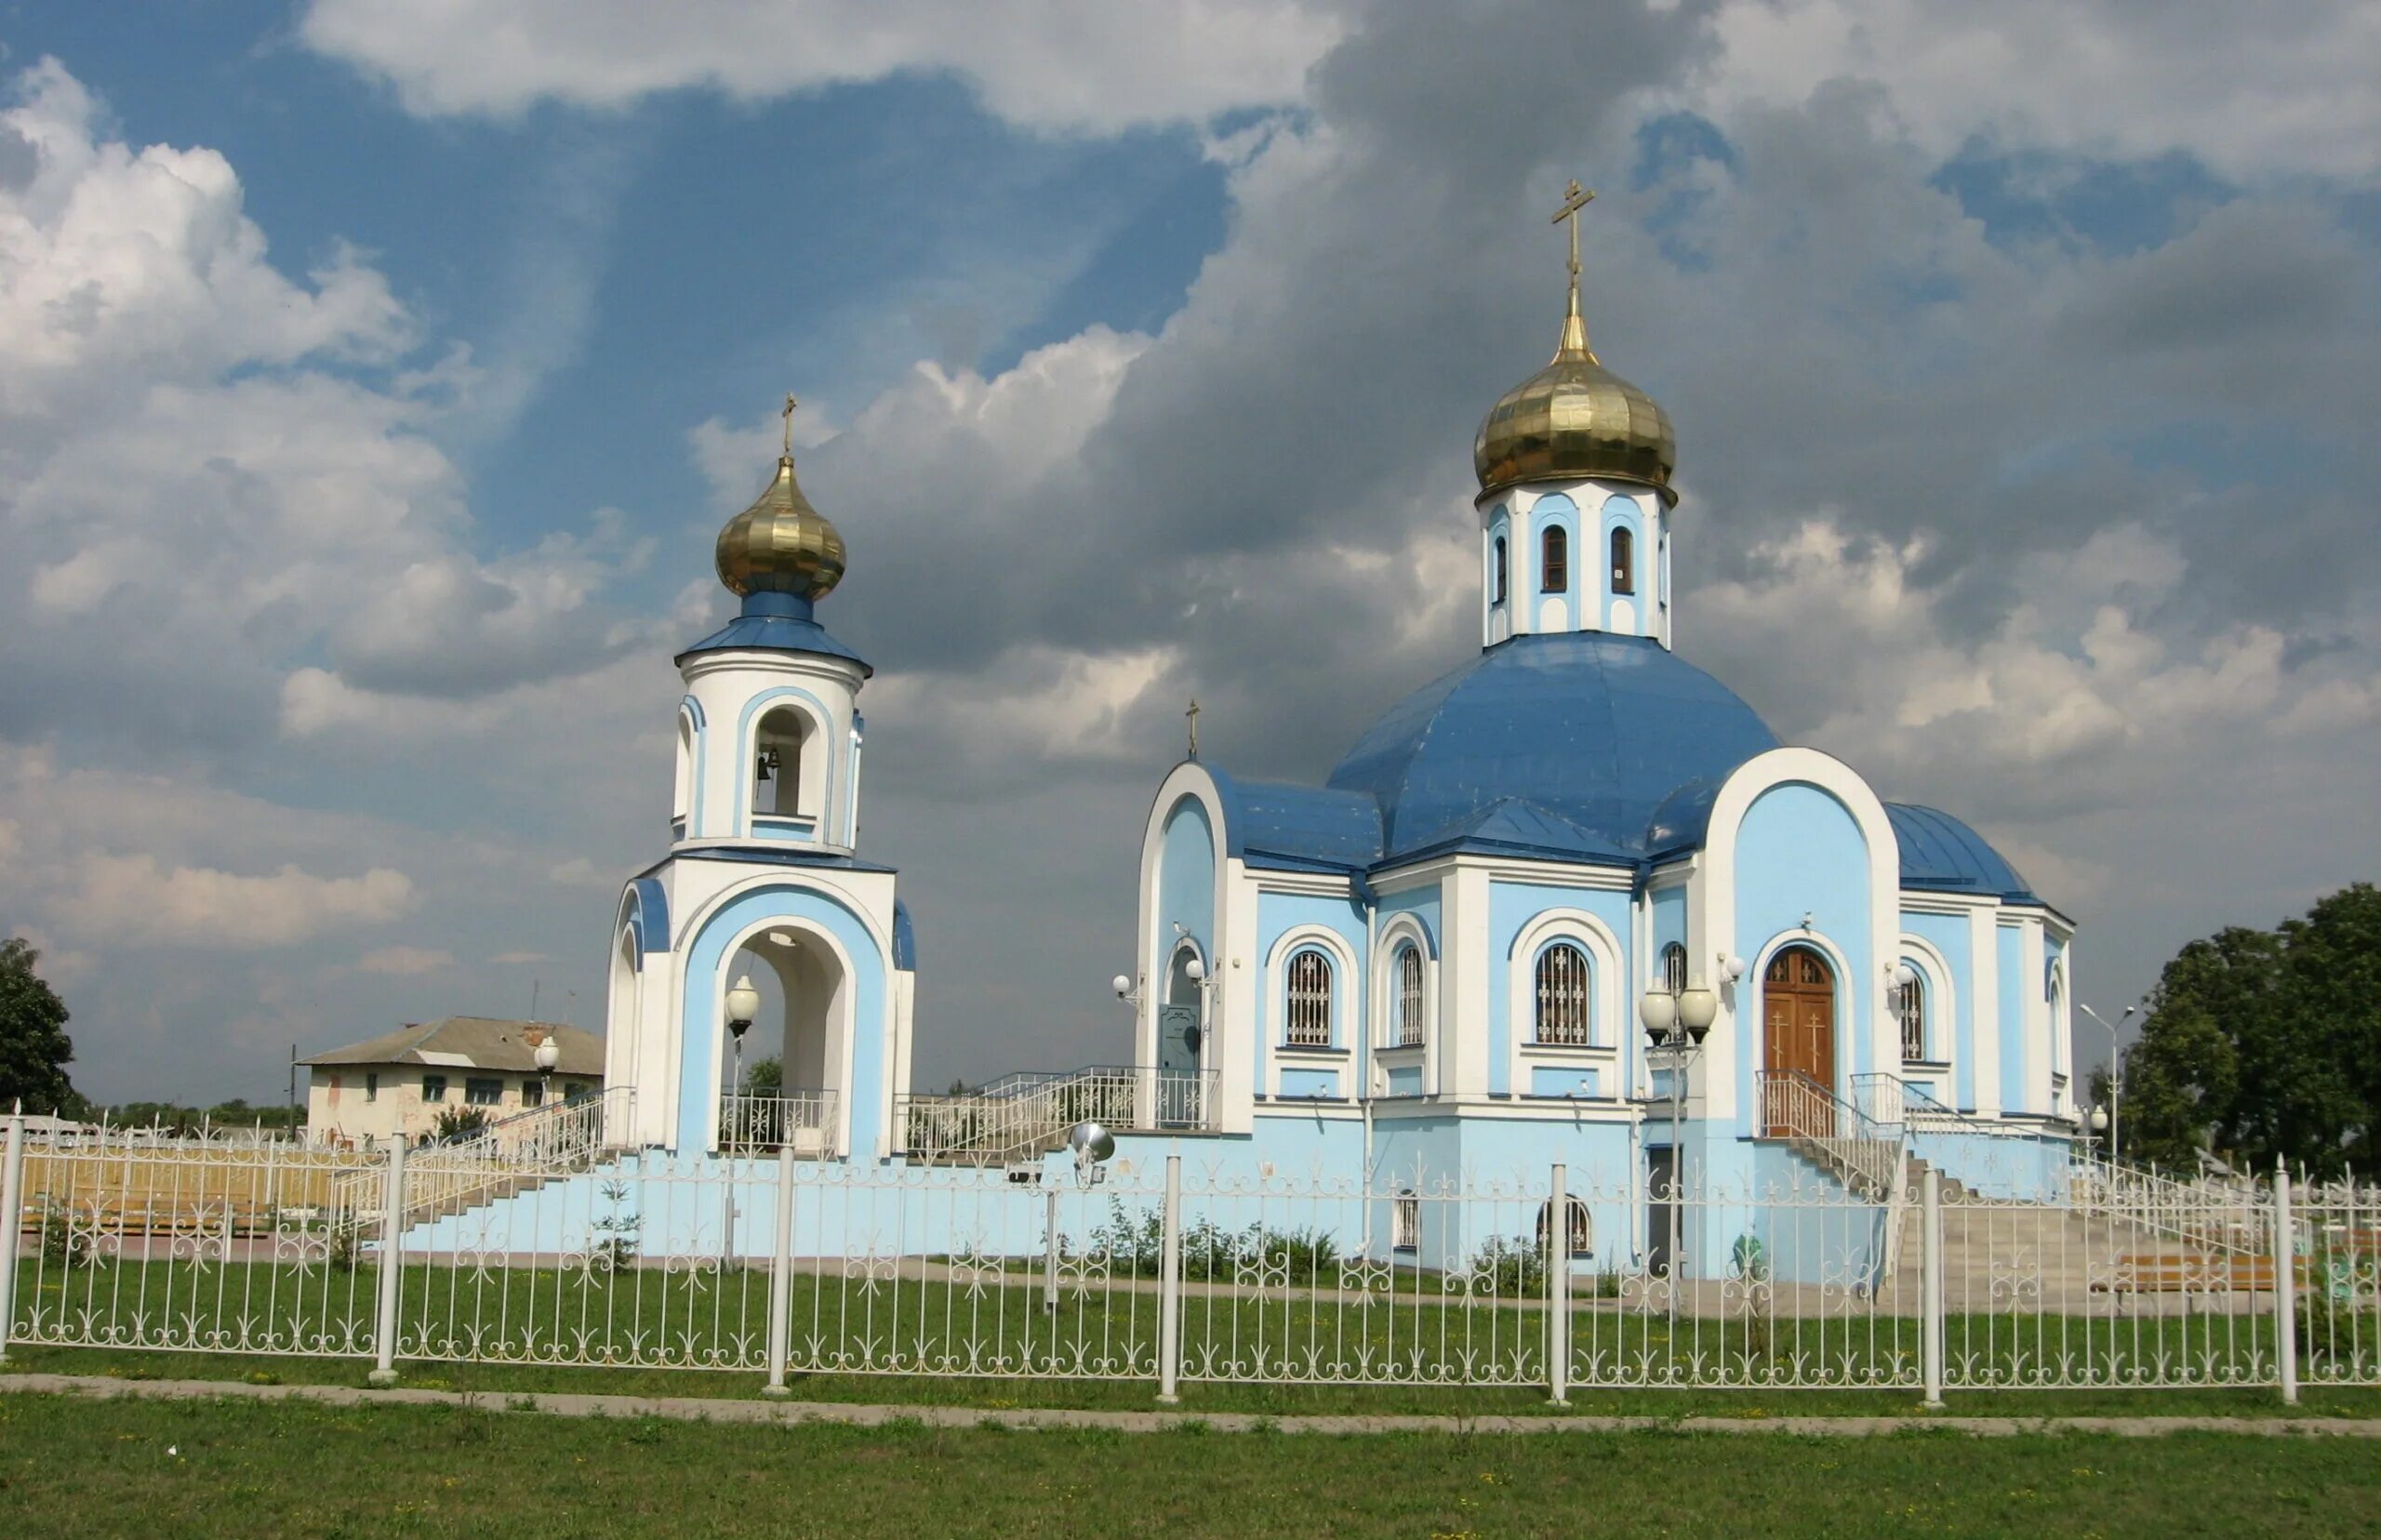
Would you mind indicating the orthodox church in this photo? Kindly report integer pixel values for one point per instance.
(1573, 900)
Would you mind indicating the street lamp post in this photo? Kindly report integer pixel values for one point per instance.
(743, 1003)
(2116, 1069)
(1679, 1023)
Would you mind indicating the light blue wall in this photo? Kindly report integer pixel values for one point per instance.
(1186, 885)
(2015, 1092)
(1513, 906)
(1948, 934)
(1800, 850)
(1544, 514)
(1277, 915)
(1621, 513)
(1669, 925)
(706, 983)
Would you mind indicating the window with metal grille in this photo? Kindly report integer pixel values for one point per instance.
(1674, 968)
(1406, 1223)
(1496, 571)
(1409, 995)
(1309, 1001)
(1579, 1238)
(1913, 1009)
(1563, 1015)
(1624, 562)
(1554, 560)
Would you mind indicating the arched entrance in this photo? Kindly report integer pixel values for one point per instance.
(1182, 1041)
(786, 1084)
(1798, 1044)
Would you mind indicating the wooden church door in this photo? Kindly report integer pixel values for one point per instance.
(1798, 1015)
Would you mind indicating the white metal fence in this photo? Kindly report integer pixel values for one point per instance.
(1167, 1270)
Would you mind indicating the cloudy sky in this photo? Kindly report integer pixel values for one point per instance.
(374, 377)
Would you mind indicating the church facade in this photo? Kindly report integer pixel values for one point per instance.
(1573, 901)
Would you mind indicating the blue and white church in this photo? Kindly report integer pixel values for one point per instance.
(1573, 901)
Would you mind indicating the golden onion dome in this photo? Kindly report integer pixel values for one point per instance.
(780, 544)
(1575, 417)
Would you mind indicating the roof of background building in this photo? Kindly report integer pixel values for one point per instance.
(474, 1042)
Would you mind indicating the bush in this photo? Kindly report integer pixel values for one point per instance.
(460, 1124)
(1136, 1247)
(63, 1246)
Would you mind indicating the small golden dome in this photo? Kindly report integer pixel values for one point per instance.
(1575, 417)
(780, 544)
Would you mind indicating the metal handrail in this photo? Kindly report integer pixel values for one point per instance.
(1029, 1114)
(804, 1119)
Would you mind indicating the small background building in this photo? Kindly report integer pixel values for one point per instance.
(400, 1081)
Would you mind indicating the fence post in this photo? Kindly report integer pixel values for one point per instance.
(1169, 1287)
(1050, 1248)
(1930, 1283)
(12, 1204)
(1558, 1290)
(2285, 1285)
(781, 1276)
(393, 1233)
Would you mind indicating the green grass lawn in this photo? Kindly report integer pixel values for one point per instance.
(72, 1468)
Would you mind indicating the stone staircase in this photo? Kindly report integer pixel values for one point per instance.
(2081, 1257)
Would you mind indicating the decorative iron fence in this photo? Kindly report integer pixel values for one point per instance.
(1023, 1116)
(760, 1125)
(1168, 1270)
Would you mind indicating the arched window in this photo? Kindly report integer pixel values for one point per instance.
(1309, 1023)
(682, 795)
(1554, 560)
(1581, 1237)
(1409, 995)
(1624, 560)
(777, 761)
(1911, 1008)
(1496, 572)
(1562, 1015)
(1674, 968)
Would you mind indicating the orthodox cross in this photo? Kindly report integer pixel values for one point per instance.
(1574, 200)
(1193, 714)
(788, 413)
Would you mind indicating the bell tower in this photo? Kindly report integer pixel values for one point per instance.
(769, 730)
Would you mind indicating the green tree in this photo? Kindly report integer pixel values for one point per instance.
(764, 1077)
(34, 1049)
(2266, 1044)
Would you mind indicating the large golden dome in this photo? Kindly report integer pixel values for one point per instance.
(780, 544)
(1575, 417)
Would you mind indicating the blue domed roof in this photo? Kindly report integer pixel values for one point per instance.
(1580, 733)
(1939, 852)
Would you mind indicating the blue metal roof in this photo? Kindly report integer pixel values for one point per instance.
(780, 621)
(1584, 734)
(1298, 828)
(1939, 852)
(905, 938)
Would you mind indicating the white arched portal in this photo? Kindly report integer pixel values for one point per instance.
(790, 1081)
